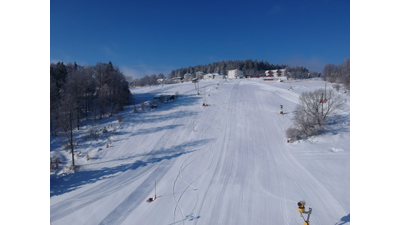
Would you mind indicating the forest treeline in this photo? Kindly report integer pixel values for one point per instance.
(339, 74)
(78, 92)
(249, 67)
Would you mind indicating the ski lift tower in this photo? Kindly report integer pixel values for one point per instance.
(196, 85)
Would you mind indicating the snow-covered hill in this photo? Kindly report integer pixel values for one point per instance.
(227, 163)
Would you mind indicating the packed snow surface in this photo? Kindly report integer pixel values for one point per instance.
(226, 163)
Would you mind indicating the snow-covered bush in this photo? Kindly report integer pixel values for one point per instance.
(71, 169)
(93, 133)
(104, 130)
(336, 87)
(311, 114)
(293, 134)
(305, 123)
(54, 163)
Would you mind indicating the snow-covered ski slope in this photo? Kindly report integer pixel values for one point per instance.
(227, 163)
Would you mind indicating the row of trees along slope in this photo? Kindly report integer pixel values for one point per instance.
(78, 92)
(339, 74)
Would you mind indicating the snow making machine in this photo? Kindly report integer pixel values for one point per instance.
(301, 208)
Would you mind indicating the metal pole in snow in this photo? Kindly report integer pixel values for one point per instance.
(155, 189)
(309, 213)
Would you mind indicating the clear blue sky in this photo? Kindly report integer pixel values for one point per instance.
(145, 37)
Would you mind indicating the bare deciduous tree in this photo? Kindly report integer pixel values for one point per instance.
(330, 73)
(344, 76)
(66, 120)
(320, 103)
(75, 90)
(103, 99)
(312, 112)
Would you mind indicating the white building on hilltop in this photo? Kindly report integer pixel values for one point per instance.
(279, 75)
(213, 76)
(235, 73)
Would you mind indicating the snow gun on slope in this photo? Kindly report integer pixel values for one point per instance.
(301, 207)
(281, 112)
(155, 193)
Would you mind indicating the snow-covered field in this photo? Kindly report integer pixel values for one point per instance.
(227, 163)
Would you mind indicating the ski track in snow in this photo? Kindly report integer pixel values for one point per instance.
(229, 163)
(225, 130)
(224, 164)
(119, 214)
(185, 165)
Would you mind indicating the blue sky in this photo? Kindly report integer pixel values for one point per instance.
(145, 37)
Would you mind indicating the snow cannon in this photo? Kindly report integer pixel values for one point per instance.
(301, 207)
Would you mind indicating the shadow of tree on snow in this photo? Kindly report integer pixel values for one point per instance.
(344, 220)
(68, 182)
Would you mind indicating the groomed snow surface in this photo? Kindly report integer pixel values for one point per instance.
(227, 163)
